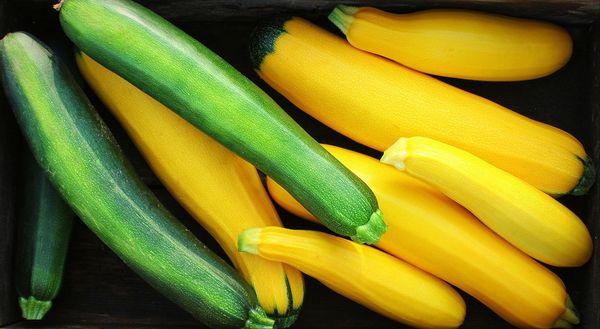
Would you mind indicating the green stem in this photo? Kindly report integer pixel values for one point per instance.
(58, 5)
(342, 16)
(258, 319)
(33, 309)
(396, 154)
(286, 321)
(562, 324)
(248, 240)
(371, 231)
(587, 179)
(569, 318)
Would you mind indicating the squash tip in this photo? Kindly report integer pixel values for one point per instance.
(285, 321)
(258, 319)
(262, 39)
(34, 309)
(342, 16)
(372, 230)
(396, 154)
(570, 316)
(587, 178)
(249, 239)
(58, 6)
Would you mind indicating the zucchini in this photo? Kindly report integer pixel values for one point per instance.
(44, 224)
(82, 159)
(458, 43)
(201, 87)
(423, 222)
(370, 277)
(526, 217)
(221, 191)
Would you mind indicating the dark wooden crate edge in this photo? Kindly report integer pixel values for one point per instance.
(8, 314)
(8, 308)
(592, 307)
(566, 12)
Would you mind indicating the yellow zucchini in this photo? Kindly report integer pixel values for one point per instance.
(458, 43)
(376, 101)
(380, 282)
(523, 215)
(434, 233)
(220, 190)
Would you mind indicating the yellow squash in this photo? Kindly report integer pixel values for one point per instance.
(523, 215)
(376, 101)
(458, 43)
(220, 190)
(364, 274)
(434, 233)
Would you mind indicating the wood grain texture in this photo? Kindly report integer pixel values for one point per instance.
(8, 297)
(100, 291)
(565, 11)
(591, 300)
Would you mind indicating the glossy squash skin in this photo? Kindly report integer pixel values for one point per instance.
(205, 90)
(44, 224)
(531, 220)
(219, 189)
(368, 276)
(375, 101)
(82, 159)
(458, 43)
(434, 233)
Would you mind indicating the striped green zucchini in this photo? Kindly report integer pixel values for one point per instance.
(76, 149)
(44, 224)
(201, 87)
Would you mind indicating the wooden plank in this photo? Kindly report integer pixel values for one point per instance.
(565, 11)
(8, 308)
(8, 298)
(591, 304)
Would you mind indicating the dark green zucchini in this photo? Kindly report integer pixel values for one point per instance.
(44, 224)
(201, 87)
(85, 164)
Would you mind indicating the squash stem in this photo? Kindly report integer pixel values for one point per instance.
(371, 231)
(58, 5)
(258, 319)
(569, 318)
(33, 309)
(571, 313)
(342, 16)
(248, 240)
(286, 321)
(562, 324)
(587, 179)
(396, 154)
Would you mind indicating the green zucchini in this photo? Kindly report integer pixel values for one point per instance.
(44, 224)
(201, 87)
(85, 164)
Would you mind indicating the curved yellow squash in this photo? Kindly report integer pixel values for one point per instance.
(458, 43)
(434, 233)
(376, 101)
(370, 277)
(523, 215)
(220, 190)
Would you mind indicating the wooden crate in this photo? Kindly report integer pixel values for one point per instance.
(100, 291)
